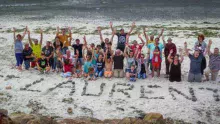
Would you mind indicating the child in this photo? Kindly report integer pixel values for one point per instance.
(43, 64)
(108, 65)
(156, 61)
(132, 74)
(91, 75)
(59, 64)
(67, 68)
(100, 64)
(78, 71)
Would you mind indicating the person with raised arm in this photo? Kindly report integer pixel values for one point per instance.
(214, 63)
(201, 46)
(36, 46)
(64, 38)
(130, 57)
(122, 36)
(108, 63)
(79, 47)
(18, 48)
(135, 46)
(175, 66)
(168, 47)
(195, 74)
(151, 48)
(151, 38)
(106, 41)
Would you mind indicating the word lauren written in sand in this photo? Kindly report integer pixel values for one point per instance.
(125, 88)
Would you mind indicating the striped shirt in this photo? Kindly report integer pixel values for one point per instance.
(214, 62)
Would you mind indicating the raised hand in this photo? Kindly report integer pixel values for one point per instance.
(171, 51)
(13, 29)
(180, 50)
(99, 29)
(163, 37)
(84, 37)
(145, 29)
(210, 42)
(133, 24)
(139, 35)
(41, 31)
(111, 24)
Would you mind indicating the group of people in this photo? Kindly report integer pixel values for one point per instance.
(94, 61)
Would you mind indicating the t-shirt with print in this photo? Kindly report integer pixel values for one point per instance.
(195, 64)
(79, 48)
(43, 63)
(152, 46)
(47, 51)
(121, 39)
(100, 65)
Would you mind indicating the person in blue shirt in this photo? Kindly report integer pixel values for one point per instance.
(195, 74)
(18, 48)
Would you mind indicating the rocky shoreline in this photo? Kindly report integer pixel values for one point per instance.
(22, 118)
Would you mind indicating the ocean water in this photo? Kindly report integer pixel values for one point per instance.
(129, 10)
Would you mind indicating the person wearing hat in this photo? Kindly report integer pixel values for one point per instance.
(36, 46)
(121, 36)
(168, 47)
(195, 74)
(43, 64)
(18, 48)
(64, 38)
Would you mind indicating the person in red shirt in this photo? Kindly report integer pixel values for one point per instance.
(135, 47)
(67, 66)
(156, 61)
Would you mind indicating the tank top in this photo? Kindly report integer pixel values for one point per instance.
(18, 46)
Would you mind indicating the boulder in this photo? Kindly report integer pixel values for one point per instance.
(128, 120)
(84, 120)
(154, 118)
(111, 121)
(4, 112)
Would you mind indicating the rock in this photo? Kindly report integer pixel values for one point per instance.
(5, 120)
(4, 112)
(8, 87)
(22, 118)
(128, 120)
(154, 118)
(70, 110)
(111, 121)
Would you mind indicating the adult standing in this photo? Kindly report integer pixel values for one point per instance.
(168, 47)
(150, 39)
(214, 63)
(195, 74)
(122, 36)
(64, 38)
(18, 48)
(201, 46)
(106, 41)
(36, 47)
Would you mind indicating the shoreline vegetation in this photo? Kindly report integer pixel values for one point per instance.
(206, 28)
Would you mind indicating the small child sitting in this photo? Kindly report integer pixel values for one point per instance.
(78, 71)
(91, 74)
(132, 73)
